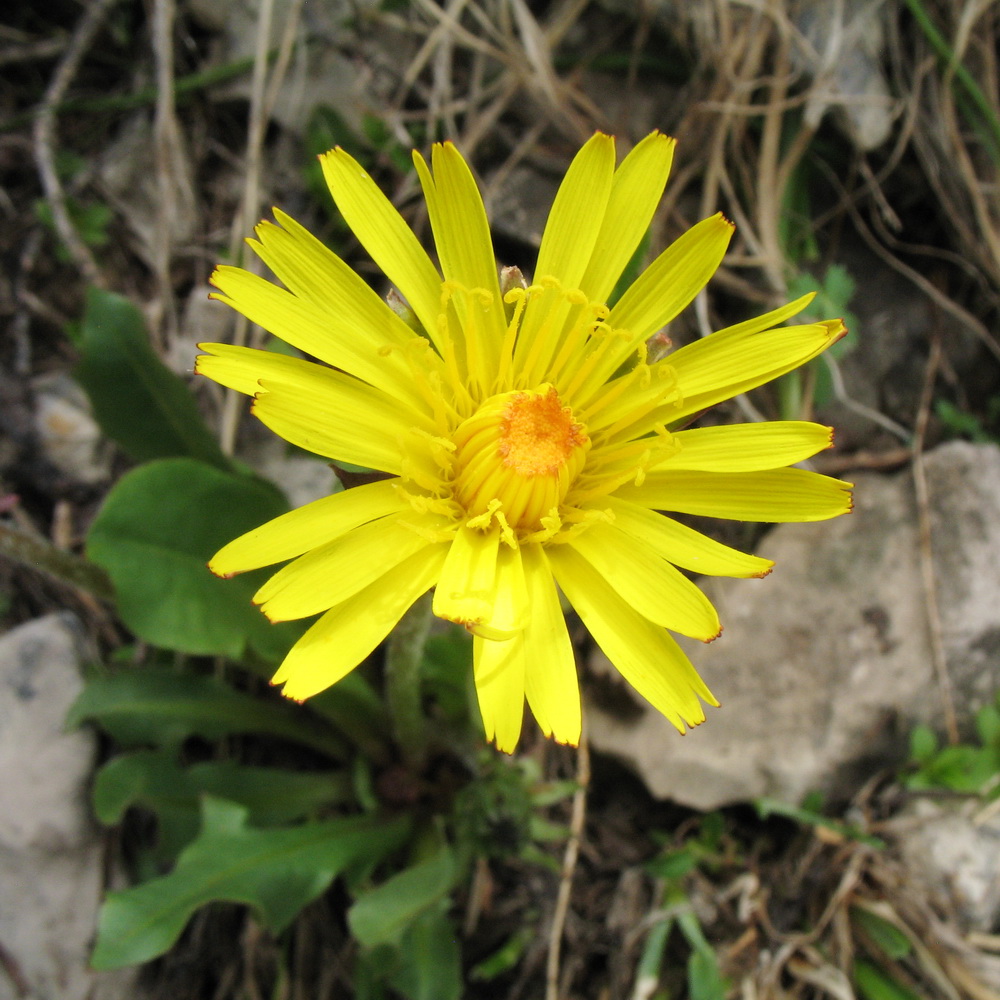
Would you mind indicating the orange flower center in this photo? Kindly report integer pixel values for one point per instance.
(523, 449)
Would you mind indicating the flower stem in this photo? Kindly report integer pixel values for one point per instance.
(402, 665)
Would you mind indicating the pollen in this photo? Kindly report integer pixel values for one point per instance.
(538, 434)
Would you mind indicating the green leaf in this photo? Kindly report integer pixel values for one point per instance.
(673, 865)
(158, 528)
(143, 707)
(431, 967)
(988, 726)
(446, 673)
(359, 712)
(882, 934)
(371, 971)
(766, 807)
(382, 915)
(505, 957)
(137, 400)
(705, 982)
(153, 779)
(923, 743)
(277, 872)
(960, 423)
(271, 795)
(875, 984)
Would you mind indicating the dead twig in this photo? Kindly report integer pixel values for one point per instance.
(44, 139)
(263, 94)
(22, 52)
(172, 177)
(570, 856)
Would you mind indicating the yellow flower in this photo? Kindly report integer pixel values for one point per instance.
(527, 438)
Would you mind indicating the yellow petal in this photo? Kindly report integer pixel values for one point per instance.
(465, 250)
(627, 396)
(307, 527)
(314, 329)
(652, 586)
(666, 287)
(510, 598)
(499, 672)
(748, 447)
(709, 371)
(574, 223)
(500, 664)
(682, 545)
(635, 192)
(385, 235)
(551, 684)
(765, 321)
(645, 654)
(331, 573)
(366, 338)
(466, 590)
(777, 495)
(242, 368)
(332, 414)
(346, 634)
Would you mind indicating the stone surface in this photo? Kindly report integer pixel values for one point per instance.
(324, 72)
(952, 854)
(130, 179)
(69, 436)
(839, 47)
(825, 665)
(845, 54)
(51, 855)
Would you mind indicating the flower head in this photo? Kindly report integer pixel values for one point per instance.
(527, 437)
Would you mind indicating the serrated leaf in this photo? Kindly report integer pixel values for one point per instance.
(154, 535)
(153, 779)
(431, 967)
(144, 706)
(271, 795)
(359, 712)
(277, 872)
(371, 971)
(382, 915)
(138, 402)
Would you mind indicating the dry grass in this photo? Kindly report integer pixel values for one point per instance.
(518, 84)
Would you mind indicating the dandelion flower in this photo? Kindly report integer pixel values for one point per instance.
(527, 437)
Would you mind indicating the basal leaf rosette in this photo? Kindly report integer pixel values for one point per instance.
(528, 440)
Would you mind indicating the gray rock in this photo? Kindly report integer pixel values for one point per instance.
(846, 49)
(825, 665)
(953, 857)
(67, 433)
(51, 855)
(838, 47)
(323, 72)
(129, 177)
